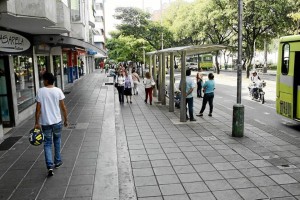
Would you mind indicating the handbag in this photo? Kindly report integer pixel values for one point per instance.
(116, 84)
(152, 83)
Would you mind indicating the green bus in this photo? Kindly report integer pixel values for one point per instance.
(288, 78)
(205, 61)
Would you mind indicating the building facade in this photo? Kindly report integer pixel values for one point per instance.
(37, 36)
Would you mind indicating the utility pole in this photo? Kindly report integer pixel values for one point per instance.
(238, 108)
(162, 34)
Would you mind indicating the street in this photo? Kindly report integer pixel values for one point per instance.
(255, 112)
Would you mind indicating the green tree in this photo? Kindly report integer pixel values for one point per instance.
(137, 23)
(125, 48)
(262, 20)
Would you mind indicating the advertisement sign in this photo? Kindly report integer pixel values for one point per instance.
(13, 42)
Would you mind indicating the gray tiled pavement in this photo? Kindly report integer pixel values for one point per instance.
(138, 151)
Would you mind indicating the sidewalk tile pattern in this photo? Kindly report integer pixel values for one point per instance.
(141, 151)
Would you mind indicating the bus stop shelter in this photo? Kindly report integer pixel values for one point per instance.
(159, 74)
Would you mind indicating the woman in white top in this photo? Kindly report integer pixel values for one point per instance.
(120, 81)
(149, 83)
(136, 81)
(128, 86)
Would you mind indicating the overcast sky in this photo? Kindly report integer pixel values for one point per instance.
(111, 5)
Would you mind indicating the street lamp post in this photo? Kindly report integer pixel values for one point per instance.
(144, 62)
(238, 108)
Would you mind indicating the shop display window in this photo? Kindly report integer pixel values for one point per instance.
(24, 78)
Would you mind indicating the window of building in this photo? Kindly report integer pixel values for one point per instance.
(97, 6)
(65, 2)
(24, 77)
(75, 11)
(285, 59)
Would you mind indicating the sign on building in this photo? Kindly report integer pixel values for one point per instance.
(13, 42)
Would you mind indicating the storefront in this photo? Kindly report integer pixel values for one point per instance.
(17, 81)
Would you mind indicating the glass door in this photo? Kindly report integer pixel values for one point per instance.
(5, 93)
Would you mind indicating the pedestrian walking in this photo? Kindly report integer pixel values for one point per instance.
(136, 81)
(120, 83)
(128, 86)
(208, 89)
(50, 103)
(190, 85)
(149, 84)
(199, 81)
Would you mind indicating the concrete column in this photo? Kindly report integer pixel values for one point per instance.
(171, 92)
(75, 64)
(13, 90)
(163, 80)
(183, 91)
(36, 71)
(51, 67)
(154, 76)
(70, 67)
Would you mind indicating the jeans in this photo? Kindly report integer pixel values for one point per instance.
(121, 94)
(199, 88)
(148, 92)
(208, 97)
(52, 132)
(190, 102)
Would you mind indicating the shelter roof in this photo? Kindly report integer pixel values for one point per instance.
(190, 50)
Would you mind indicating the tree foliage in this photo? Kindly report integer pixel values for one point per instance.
(137, 23)
(216, 21)
(127, 48)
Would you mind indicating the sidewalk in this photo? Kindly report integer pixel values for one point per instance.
(138, 151)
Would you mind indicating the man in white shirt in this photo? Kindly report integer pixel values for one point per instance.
(190, 85)
(50, 103)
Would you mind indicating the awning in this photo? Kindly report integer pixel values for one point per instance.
(190, 50)
(66, 42)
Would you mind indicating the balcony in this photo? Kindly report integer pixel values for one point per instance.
(77, 31)
(63, 17)
(33, 16)
(99, 26)
(99, 38)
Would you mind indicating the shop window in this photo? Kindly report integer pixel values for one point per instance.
(285, 59)
(24, 77)
(42, 68)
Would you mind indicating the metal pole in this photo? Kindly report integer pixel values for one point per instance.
(171, 92)
(154, 76)
(160, 78)
(265, 68)
(183, 91)
(163, 80)
(162, 34)
(150, 65)
(238, 109)
(144, 62)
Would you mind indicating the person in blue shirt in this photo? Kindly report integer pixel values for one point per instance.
(190, 85)
(208, 88)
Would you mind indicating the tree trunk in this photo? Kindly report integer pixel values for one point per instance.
(217, 63)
